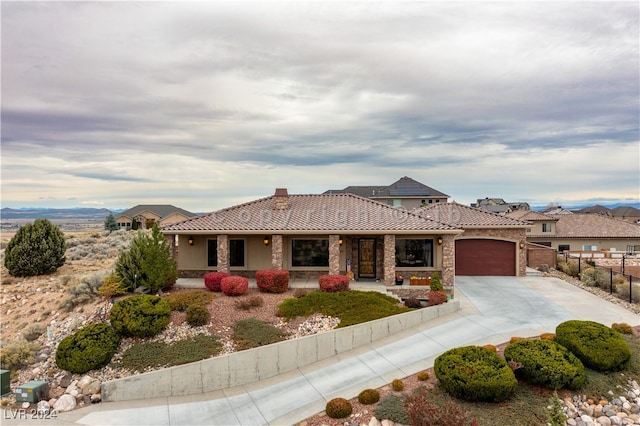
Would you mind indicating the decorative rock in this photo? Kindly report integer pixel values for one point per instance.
(84, 381)
(65, 403)
(374, 422)
(95, 398)
(43, 407)
(25, 405)
(604, 421)
(387, 423)
(91, 388)
(73, 392)
(65, 381)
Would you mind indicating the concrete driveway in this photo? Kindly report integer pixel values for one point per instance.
(492, 310)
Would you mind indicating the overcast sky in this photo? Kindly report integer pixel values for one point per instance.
(206, 105)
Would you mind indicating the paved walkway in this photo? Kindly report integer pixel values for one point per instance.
(492, 310)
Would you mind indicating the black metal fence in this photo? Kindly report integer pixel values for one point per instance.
(605, 277)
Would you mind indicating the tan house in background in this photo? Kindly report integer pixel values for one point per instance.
(143, 216)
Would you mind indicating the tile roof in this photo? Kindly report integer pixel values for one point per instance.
(532, 216)
(162, 210)
(309, 213)
(595, 226)
(402, 188)
(462, 216)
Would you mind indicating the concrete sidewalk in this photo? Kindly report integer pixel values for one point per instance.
(492, 310)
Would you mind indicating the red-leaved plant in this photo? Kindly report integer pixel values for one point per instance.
(333, 283)
(234, 286)
(436, 298)
(272, 281)
(212, 280)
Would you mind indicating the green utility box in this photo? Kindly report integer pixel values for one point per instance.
(5, 382)
(33, 391)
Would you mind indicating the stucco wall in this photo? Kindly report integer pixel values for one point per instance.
(620, 244)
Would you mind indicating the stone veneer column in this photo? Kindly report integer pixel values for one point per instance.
(389, 259)
(276, 252)
(447, 276)
(223, 253)
(334, 254)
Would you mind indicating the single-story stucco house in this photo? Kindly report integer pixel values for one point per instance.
(311, 235)
(143, 216)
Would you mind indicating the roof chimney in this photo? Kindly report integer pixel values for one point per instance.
(281, 199)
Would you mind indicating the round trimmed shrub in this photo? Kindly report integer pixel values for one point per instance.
(546, 362)
(397, 385)
(436, 298)
(368, 396)
(338, 408)
(212, 280)
(143, 315)
(622, 328)
(474, 373)
(272, 281)
(87, 349)
(412, 303)
(423, 375)
(333, 283)
(197, 315)
(596, 345)
(234, 286)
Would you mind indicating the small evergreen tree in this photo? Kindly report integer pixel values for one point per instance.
(110, 223)
(436, 284)
(36, 249)
(147, 263)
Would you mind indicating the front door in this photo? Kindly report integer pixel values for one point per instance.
(367, 258)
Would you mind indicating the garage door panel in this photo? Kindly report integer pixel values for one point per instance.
(485, 257)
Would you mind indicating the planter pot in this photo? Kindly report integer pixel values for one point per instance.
(399, 282)
(420, 281)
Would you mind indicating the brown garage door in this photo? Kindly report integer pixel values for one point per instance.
(485, 257)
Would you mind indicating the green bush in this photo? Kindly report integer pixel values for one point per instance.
(436, 284)
(36, 249)
(197, 315)
(140, 316)
(181, 300)
(474, 373)
(546, 362)
(251, 333)
(147, 263)
(368, 396)
(595, 277)
(391, 407)
(87, 349)
(596, 345)
(338, 408)
(18, 354)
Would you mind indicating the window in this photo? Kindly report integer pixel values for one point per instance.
(414, 252)
(236, 253)
(564, 247)
(311, 252)
(528, 230)
(546, 227)
(589, 248)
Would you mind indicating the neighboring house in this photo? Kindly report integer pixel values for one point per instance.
(143, 216)
(405, 192)
(553, 210)
(597, 209)
(499, 205)
(582, 232)
(491, 244)
(541, 224)
(310, 235)
(627, 213)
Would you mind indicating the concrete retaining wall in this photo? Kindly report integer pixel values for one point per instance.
(248, 366)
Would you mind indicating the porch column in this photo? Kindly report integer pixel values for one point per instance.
(389, 259)
(223, 253)
(447, 277)
(334, 254)
(276, 252)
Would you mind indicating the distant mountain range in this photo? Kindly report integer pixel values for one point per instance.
(79, 213)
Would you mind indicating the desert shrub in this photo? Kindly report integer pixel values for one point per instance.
(272, 281)
(147, 262)
(142, 315)
(596, 345)
(33, 331)
(252, 302)
(436, 298)
(548, 336)
(436, 284)
(622, 290)
(338, 408)
(412, 303)
(300, 292)
(423, 375)
(595, 277)
(181, 300)
(251, 333)
(368, 396)
(18, 354)
(422, 411)
(570, 267)
(212, 280)
(82, 291)
(492, 348)
(333, 283)
(87, 349)
(474, 373)
(234, 286)
(515, 339)
(622, 328)
(112, 286)
(197, 315)
(391, 407)
(397, 385)
(36, 249)
(545, 362)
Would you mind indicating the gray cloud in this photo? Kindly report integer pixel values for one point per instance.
(205, 104)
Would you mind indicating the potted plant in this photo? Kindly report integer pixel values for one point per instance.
(399, 279)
